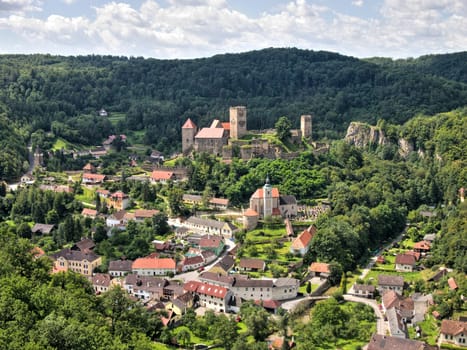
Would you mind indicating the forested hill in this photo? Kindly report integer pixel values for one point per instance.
(156, 96)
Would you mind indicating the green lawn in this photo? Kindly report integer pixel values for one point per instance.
(408, 276)
(115, 117)
(61, 143)
(430, 330)
(193, 338)
(265, 234)
(87, 196)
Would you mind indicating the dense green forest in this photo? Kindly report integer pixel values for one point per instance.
(63, 94)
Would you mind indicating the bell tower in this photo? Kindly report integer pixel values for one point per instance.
(267, 197)
(237, 122)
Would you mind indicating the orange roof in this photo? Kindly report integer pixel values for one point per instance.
(37, 252)
(210, 133)
(250, 212)
(161, 175)
(424, 245)
(259, 193)
(226, 125)
(219, 201)
(319, 267)
(119, 195)
(452, 283)
(189, 124)
(93, 176)
(89, 212)
(145, 213)
(191, 286)
(211, 290)
(153, 263)
(303, 240)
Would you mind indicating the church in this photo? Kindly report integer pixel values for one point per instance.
(267, 202)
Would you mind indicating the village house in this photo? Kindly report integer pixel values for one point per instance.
(118, 200)
(212, 243)
(100, 282)
(216, 279)
(362, 290)
(154, 266)
(219, 203)
(318, 269)
(43, 229)
(102, 193)
(162, 176)
(192, 199)
(422, 247)
(214, 297)
(223, 266)
(454, 332)
(156, 157)
(285, 288)
(390, 282)
(213, 227)
(82, 262)
(254, 265)
(93, 179)
(145, 287)
(405, 262)
(384, 342)
(192, 263)
(265, 289)
(89, 168)
(143, 214)
(301, 244)
(89, 213)
(118, 268)
(118, 219)
(396, 325)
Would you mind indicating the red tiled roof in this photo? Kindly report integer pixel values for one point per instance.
(146, 213)
(219, 201)
(268, 304)
(210, 241)
(423, 245)
(319, 267)
(194, 260)
(260, 195)
(211, 290)
(405, 259)
(452, 283)
(415, 254)
(161, 175)
(453, 327)
(153, 263)
(191, 286)
(189, 124)
(37, 252)
(303, 240)
(210, 133)
(119, 195)
(226, 125)
(103, 192)
(89, 212)
(97, 177)
(250, 212)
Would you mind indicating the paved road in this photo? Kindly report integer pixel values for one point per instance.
(381, 325)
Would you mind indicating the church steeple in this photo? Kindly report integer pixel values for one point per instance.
(267, 198)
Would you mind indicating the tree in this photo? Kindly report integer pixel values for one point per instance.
(283, 126)
(308, 287)
(183, 336)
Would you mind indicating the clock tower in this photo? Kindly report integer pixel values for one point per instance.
(237, 122)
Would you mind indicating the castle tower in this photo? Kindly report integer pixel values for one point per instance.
(267, 197)
(237, 122)
(189, 130)
(306, 126)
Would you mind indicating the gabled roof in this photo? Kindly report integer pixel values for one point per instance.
(119, 195)
(303, 240)
(226, 125)
(452, 327)
(216, 278)
(191, 286)
(193, 260)
(287, 199)
(101, 279)
(162, 175)
(95, 177)
(423, 245)
(145, 213)
(364, 287)
(210, 241)
(252, 263)
(89, 212)
(120, 265)
(118, 215)
(189, 124)
(210, 133)
(42, 228)
(226, 263)
(154, 263)
(259, 194)
(390, 280)
(405, 259)
(76, 255)
(219, 201)
(247, 283)
(84, 244)
(385, 342)
(320, 267)
(211, 290)
(452, 283)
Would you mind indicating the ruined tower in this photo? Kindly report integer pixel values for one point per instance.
(189, 130)
(237, 122)
(306, 126)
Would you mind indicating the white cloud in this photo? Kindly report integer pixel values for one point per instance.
(195, 28)
(20, 6)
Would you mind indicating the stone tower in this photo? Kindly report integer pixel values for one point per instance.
(237, 122)
(306, 126)
(189, 130)
(267, 197)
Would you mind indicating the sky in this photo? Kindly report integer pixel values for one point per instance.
(203, 28)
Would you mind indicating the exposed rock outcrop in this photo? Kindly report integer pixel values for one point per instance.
(405, 148)
(363, 135)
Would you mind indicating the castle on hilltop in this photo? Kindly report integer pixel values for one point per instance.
(225, 138)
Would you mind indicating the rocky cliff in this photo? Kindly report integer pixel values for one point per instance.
(362, 135)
